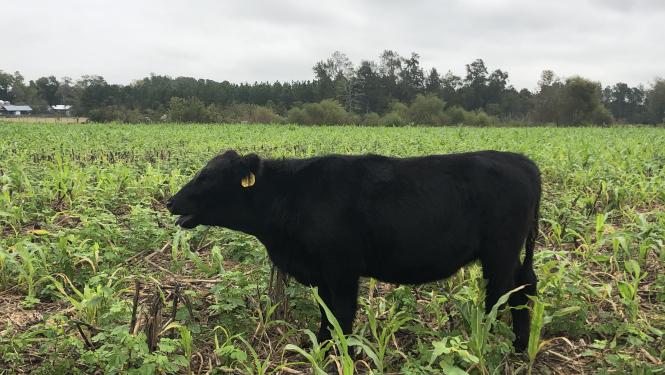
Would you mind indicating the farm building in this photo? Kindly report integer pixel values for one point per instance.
(61, 109)
(15, 110)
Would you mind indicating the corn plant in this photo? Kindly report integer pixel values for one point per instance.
(450, 349)
(481, 324)
(87, 302)
(540, 319)
(377, 347)
(227, 352)
(185, 342)
(315, 355)
(27, 269)
(257, 365)
(629, 286)
(341, 344)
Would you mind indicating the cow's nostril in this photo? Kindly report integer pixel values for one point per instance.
(169, 203)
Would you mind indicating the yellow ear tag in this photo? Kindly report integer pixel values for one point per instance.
(248, 180)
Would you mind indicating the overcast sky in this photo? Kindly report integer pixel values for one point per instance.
(605, 40)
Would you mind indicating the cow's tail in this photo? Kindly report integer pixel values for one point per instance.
(525, 274)
(531, 240)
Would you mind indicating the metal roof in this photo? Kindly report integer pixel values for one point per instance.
(14, 108)
(61, 107)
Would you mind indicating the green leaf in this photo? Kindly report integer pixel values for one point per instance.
(440, 348)
(449, 369)
(566, 311)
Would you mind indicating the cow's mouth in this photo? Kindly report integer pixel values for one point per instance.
(187, 221)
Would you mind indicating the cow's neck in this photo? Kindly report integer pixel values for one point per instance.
(271, 217)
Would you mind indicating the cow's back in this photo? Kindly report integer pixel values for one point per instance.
(406, 220)
(433, 214)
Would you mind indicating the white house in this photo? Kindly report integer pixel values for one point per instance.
(15, 110)
(62, 109)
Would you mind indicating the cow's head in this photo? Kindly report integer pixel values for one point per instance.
(217, 195)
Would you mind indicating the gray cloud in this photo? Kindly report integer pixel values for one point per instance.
(605, 40)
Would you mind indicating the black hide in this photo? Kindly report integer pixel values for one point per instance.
(329, 220)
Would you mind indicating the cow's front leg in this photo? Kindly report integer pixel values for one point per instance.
(344, 302)
(324, 332)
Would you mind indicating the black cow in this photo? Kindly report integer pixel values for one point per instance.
(329, 220)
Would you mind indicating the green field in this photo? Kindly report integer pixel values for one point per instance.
(83, 225)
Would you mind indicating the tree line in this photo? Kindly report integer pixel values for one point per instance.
(394, 90)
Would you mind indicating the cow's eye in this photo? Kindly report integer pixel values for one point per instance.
(201, 178)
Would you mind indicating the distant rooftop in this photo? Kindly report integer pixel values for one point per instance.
(61, 107)
(14, 108)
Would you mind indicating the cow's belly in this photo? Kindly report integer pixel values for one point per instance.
(302, 268)
(420, 250)
(418, 265)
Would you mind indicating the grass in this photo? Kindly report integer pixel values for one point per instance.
(86, 242)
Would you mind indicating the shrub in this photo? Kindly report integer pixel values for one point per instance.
(332, 113)
(400, 108)
(601, 116)
(393, 119)
(372, 119)
(455, 115)
(327, 112)
(483, 119)
(479, 118)
(117, 113)
(250, 113)
(426, 110)
(263, 115)
(493, 109)
(104, 114)
(189, 110)
(296, 115)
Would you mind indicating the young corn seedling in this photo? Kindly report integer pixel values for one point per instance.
(382, 331)
(540, 319)
(481, 324)
(62, 178)
(11, 214)
(186, 342)
(217, 260)
(27, 271)
(537, 324)
(629, 287)
(315, 355)
(187, 346)
(343, 360)
(87, 302)
(339, 342)
(265, 318)
(227, 353)
(257, 365)
(450, 349)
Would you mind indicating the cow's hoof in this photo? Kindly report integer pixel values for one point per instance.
(520, 345)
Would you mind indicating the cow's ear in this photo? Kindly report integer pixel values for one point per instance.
(251, 164)
(230, 154)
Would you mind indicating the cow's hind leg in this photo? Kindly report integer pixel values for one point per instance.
(499, 274)
(527, 277)
(500, 271)
(521, 317)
